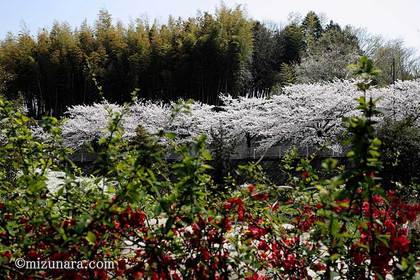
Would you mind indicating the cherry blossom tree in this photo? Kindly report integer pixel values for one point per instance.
(302, 115)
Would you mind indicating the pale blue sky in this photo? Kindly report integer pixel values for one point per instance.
(391, 18)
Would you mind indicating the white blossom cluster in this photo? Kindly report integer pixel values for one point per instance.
(324, 65)
(301, 115)
(87, 123)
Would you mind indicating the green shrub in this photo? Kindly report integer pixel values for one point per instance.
(158, 219)
(401, 151)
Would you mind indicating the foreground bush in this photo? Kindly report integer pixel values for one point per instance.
(401, 150)
(160, 220)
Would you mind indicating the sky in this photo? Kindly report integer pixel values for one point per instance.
(390, 18)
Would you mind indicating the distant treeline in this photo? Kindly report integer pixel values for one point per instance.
(199, 58)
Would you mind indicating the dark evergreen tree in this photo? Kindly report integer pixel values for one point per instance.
(312, 28)
(264, 69)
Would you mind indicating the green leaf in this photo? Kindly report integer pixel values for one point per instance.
(11, 228)
(288, 210)
(206, 155)
(403, 265)
(91, 238)
(335, 227)
(170, 135)
(350, 154)
(335, 257)
(50, 203)
(62, 233)
(384, 239)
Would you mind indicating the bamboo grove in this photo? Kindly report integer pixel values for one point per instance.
(200, 58)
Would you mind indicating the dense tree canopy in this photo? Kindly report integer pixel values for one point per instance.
(199, 58)
(328, 55)
(193, 58)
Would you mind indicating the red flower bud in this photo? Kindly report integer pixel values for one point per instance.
(251, 188)
(7, 254)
